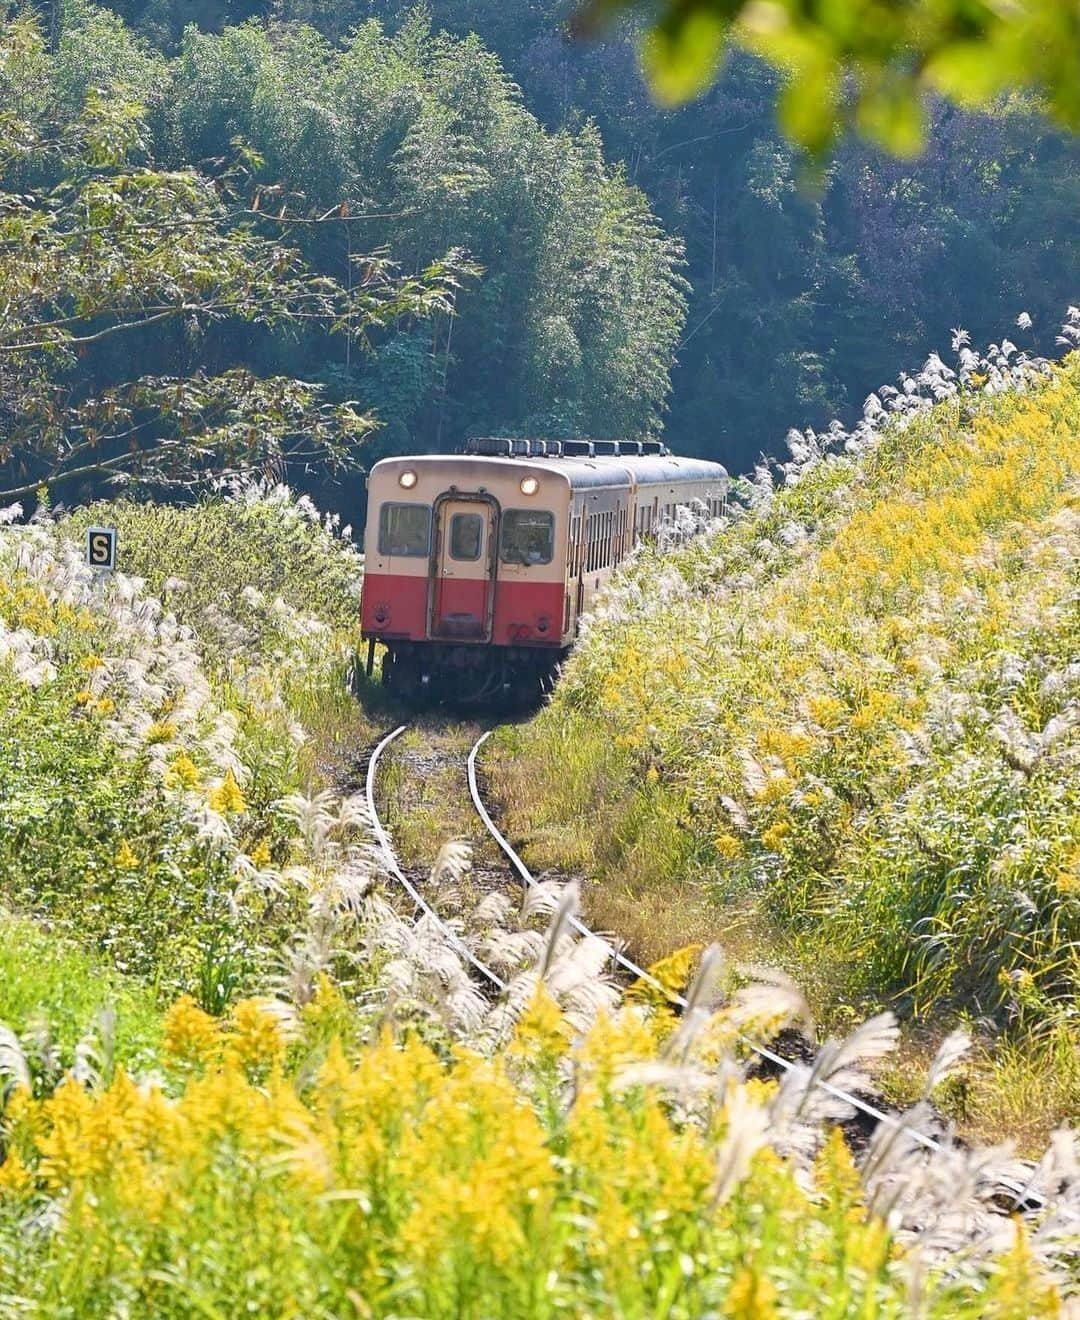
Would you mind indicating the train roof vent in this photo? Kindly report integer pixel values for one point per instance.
(630, 447)
(554, 448)
(608, 447)
(538, 449)
(578, 448)
(652, 447)
(490, 446)
(519, 448)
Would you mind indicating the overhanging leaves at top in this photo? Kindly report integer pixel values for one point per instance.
(890, 53)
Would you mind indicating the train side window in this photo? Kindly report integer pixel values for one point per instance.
(405, 529)
(528, 537)
(466, 536)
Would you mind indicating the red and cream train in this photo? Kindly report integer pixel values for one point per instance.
(478, 566)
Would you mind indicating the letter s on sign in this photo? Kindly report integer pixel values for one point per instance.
(101, 547)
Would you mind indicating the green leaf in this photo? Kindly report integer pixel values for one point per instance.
(967, 72)
(681, 57)
(893, 117)
(809, 107)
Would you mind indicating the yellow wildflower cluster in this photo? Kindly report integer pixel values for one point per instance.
(190, 1036)
(673, 974)
(252, 1038)
(260, 855)
(126, 857)
(26, 605)
(728, 845)
(227, 797)
(182, 772)
(790, 745)
(773, 837)
(440, 1186)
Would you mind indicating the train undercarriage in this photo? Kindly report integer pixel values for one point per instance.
(467, 675)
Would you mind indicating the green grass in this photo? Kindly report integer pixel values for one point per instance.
(53, 995)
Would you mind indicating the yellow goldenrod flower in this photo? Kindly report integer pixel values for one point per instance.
(728, 845)
(260, 855)
(182, 772)
(673, 973)
(227, 797)
(256, 1037)
(190, 1036)
(752, 1296)
(126, 858)
(15, 1178)
(542, 1031)
(774, 836)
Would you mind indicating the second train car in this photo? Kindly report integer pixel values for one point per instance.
(479, 566)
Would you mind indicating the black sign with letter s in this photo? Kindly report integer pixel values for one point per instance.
(101, 547)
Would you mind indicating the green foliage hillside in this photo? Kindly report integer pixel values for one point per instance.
(801, 296)
(852, 711)
(804, 294)
(214, 259)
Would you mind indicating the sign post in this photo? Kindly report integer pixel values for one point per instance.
(101, 547)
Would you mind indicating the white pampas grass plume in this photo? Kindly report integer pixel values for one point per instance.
(771, 997)
(951, 1050)
(13, 1058)
(452, 864)
(747, 1131)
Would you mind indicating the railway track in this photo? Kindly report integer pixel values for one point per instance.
(1024, 1197)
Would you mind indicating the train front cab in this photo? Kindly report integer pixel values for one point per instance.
(463, 582)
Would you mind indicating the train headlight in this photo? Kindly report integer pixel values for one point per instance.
(529, 485)
(407, 480)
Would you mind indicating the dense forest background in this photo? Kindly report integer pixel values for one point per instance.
(637, 268)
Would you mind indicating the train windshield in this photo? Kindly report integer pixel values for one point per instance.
(528, 537)
(405, 529)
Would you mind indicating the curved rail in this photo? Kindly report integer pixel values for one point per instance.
(1022, 1194)
(395, 870)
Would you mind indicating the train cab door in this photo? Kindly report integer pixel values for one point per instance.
(462, 591)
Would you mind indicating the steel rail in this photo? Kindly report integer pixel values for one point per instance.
(391, 861)
(1022, 1193)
